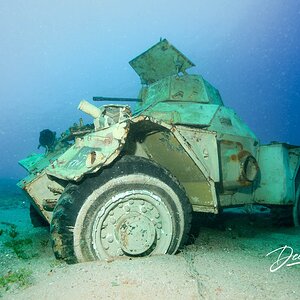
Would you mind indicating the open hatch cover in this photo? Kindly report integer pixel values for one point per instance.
(160, 61)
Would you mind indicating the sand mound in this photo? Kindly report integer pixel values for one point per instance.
(226, 259)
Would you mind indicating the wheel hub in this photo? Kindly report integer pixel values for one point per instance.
(132, 223)
(136, 234)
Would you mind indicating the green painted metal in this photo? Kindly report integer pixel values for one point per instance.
(178, 89)
(279, 164)
(36, 163)
(90, 153)
(160, 61)
(226, 121)
(183, 113)
(180, 121)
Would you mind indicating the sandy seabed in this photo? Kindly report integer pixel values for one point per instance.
(226, 259)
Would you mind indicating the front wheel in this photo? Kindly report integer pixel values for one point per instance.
(134, 208)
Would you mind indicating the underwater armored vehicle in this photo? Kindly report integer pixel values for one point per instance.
(128, 183)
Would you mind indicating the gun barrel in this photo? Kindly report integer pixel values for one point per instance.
(117, 99)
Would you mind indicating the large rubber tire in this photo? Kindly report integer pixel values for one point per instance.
(133, 208)
(296, 210)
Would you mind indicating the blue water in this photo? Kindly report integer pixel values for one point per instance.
(55, 53)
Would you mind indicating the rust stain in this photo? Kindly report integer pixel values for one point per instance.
(226, 142)
(173, 129)
(243, 154)
(238, 144)
(93, 157)
(124, 234)
(177, 95)
(233, 157)
(61, 162)
(244, 182)
(107, 141)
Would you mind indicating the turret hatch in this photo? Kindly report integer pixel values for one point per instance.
(160, 61)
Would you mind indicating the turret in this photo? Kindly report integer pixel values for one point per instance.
(162, 70)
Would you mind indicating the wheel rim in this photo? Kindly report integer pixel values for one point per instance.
(134, 223)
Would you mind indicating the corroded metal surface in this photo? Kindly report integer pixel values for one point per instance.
(160, 61)
(130, 224)
(90, 153)
(44, 191)
(180, 122)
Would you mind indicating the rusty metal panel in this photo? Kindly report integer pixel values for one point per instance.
(203, 143)
(200, 195)
(165, 149)
(182, 124)
(153, 93)
(188, 88)
(183, 113)
(35, 163)
(226, 121)
(238, 197)
(239, 167)
(160, 61)
(212, 93)
(90, 153)
(170, 150)
(179, 90)
(31, 162)
(43, 191)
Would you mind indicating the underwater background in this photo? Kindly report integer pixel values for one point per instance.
(55, 53)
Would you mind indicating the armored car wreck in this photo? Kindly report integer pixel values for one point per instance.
(126, 185)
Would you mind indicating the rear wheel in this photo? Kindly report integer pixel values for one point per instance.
(133, 208)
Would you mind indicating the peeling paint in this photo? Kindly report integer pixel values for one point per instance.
(180, 121)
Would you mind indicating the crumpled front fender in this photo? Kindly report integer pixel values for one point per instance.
(90, 153)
